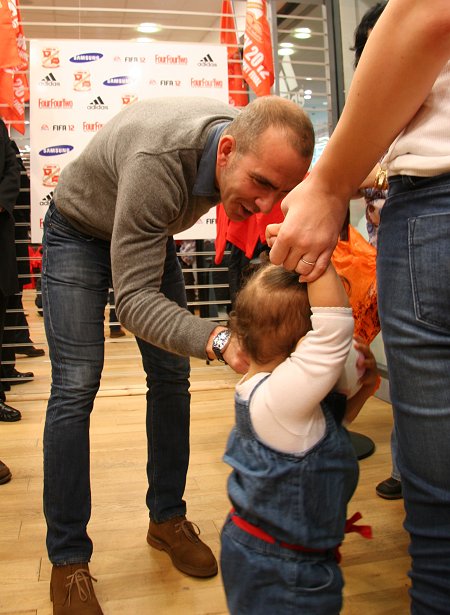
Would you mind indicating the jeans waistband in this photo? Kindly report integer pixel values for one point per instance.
(399, 183)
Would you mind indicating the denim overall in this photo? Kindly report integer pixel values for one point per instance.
(300, 501)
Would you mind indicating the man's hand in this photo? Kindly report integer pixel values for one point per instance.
(305, 241)
(236, 357)
(233, 353)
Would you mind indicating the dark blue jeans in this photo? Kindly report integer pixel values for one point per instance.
(413, 271)
(75, 282)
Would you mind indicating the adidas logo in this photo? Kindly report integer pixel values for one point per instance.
(45, 202)
(50, 80)
(207, 61)
(97, 103)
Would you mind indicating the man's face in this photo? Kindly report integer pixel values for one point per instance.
(255, 181)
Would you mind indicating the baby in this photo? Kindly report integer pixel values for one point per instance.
(294, 469)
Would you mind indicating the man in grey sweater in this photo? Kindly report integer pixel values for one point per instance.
(149, 173)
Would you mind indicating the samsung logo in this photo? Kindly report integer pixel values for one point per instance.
(86, 57)
(56, 150)
(122, 80)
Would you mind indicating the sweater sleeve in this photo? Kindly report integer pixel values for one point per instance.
(285, 409)
(138, 248)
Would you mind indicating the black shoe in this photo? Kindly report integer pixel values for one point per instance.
(30, 351)
(9, 414)
(390, 489)
(15, 377)
(113, 333)
(5, 474)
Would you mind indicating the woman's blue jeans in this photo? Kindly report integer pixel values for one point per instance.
(413, 271)
(75, 281)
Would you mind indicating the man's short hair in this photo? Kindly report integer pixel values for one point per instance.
(271, 313)
(292, 122)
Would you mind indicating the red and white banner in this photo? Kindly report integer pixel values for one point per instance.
(237, 90)
(13, 65)
(258, 60)
(77, 86)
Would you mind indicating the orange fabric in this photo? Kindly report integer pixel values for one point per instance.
(15, 113)
(355, 260)
(9, 53)
(257, 58)
(6, 88)
(14, 90)
(244, 235)
(237, 92)
(222, 221)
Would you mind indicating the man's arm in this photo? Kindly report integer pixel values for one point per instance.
(405, 53)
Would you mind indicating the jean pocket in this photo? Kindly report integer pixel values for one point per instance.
(314, 577)
(429, 258)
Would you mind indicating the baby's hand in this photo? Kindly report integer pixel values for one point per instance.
(272, 231)
(366, 365)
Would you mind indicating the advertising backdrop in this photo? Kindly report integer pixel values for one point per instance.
(77, 86)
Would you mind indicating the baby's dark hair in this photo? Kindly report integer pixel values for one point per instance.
(367, 23)
(271, 314)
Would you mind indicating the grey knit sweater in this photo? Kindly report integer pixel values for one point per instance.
(132, 185)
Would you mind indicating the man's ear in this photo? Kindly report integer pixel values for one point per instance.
(225, 149)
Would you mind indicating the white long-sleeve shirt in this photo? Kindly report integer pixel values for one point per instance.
(285, 409)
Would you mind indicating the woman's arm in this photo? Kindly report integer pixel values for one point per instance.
(404, 54)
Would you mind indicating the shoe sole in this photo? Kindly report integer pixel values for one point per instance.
(5, 479)
(394, 496)
(193, 572)
(11, 420)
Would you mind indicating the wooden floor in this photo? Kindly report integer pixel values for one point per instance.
(134, 579)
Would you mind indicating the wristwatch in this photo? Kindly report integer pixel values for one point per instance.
(220, 342)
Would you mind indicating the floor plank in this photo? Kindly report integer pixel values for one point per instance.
(134, 579)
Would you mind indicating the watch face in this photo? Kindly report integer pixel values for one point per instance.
(221, 339)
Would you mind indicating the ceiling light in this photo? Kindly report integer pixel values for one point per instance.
(302, 33)
(308, 91)
(307, 97)
(148, 28)
(285, 51)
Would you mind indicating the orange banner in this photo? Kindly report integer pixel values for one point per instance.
(9, 54)
(14, 114)
(236, 86)
(14, 89)
(257, 60)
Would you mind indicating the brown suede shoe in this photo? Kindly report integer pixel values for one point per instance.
(71, 591)
(5, 474)
(180, 539)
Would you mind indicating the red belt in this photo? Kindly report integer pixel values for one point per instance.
(254, 530)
